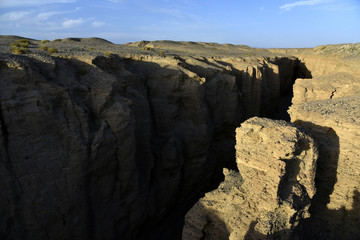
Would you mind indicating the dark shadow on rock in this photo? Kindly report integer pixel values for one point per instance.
(207, 225)
(259, 97)
(334, 223)
(329, 225)
(287, 81)
(252, 234)
(324, 223)
(327, 164)
(151, 189)
(144, 197)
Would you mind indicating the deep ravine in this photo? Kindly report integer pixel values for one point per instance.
(121, 147)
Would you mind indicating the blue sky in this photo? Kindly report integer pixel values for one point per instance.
(257, 23)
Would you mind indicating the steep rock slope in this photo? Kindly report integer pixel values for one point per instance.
(119, 145)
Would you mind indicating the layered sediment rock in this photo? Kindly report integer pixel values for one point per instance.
(272, 192)
(120, 145)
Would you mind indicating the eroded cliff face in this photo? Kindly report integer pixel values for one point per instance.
(249, 204)
(271, 194)
(121, 146)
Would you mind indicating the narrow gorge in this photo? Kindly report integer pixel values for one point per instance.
(106, 141)
(296, 180)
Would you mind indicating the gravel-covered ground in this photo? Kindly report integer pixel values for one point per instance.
(95, 46)
(87, 47)
(346, 109)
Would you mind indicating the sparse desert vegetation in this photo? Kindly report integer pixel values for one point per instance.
(15, 44)
(149, 49)
(19, 50)
(43, 47)
(52, 50)
(24, 41)
(20, 46)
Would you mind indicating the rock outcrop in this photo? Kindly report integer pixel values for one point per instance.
(272, 192)
(329, 107)
(326, 87)
(118, 142)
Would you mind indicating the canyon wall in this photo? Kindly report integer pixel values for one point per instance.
(250, 203)
(119, 146)
(329, 108)
(105, 141)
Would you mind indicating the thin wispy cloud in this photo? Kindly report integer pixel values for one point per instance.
(97, 24)
(43, 16)
(44, 19)
(22, 3)
(186, 20)
(174, 11)
(338, 5)
(289, 6)
(13, 16)
(71, 23)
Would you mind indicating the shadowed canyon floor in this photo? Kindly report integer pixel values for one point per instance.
(107, 141)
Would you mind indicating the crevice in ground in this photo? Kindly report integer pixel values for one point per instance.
(286, 90)
(290, 69)
(148, 93)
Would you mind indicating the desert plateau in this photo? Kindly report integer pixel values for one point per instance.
(178, 140)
